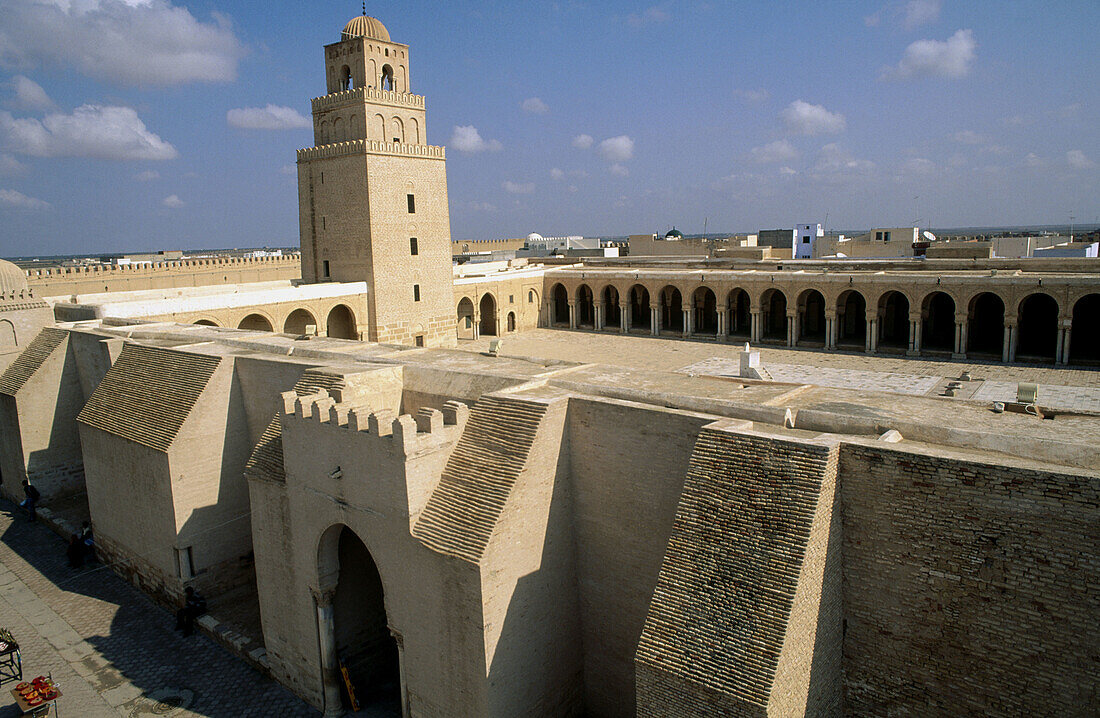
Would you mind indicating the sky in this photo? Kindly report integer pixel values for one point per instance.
(131, 125)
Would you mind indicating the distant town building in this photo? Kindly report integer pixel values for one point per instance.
(805, 237)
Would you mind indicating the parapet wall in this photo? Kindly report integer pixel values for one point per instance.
(66, 281)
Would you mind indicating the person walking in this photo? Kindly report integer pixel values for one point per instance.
(194, 605)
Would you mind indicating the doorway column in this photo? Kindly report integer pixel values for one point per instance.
(572, 314)
(597, 316)
(1067, 325)
(723, 324)
(792, 327)
(624, 319)
(477, 322)
(655, 320)
(400, 641)
(689, 317)
(755, 329)
(326, 634)
(830, 329)
(870, 341)
(1012, 336)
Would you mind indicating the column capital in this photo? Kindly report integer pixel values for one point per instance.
(1011, 321)
(323, 596)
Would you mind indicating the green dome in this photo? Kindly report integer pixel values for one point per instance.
(674, 234)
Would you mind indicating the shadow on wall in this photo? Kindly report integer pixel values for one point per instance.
(135, 638)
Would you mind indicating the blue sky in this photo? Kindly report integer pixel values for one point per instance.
(118, 130)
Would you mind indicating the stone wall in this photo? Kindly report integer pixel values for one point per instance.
(969, 587)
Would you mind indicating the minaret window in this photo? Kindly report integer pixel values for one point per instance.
(412, 203)
(345, 74)
(387, 78)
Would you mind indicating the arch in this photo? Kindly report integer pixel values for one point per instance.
(986, 325)
(851, 319)
(397, 130)
(893, 319)
(340, 323)
(414, 131)
(401, 84)
(466, 318)
(532, 297)
(773, 304)
(1084, 339)
(672, 309)
(297, 321)
(326, 135)
(811, 317)
(612, 311)
(586, 310)
(639, 307)
(1038, 322)
(511, 322)
(380, 127)
(560, 298)
(373, 68)
(206, 323)
(345, 78)
(740, 313)
(356, 128)
(7, 335)
(363, 640)
(386, 81)
(339, 131)
(938, 322)
(256, 323)
(704, 306)
(488, 309)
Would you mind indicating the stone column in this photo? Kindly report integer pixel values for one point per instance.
(572, 314)
(1066, 340)
(755, 330)
(597, 315)
(330, 669)
(792, 328)
(723, 324)
(477, 323)
(870, 342)
(914, 335)
(689, 320)
(655, 320)
(1058, 345)
(404, 695)
(1006, 343)
(624, 319)
(1013, 337)
(830, 325)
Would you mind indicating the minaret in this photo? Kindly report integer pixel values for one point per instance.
(372, 194)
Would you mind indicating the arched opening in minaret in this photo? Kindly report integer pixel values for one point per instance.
(345, 77)
(387, 78)
(364, 643)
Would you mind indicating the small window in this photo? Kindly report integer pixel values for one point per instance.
(886, 238)
(530, 296)
(322, 178)
(324, 267)
(805, 240)
(511, 299)
(324, 222)
(416, 292)
(413, 249)
(412, 200)
(418, 340)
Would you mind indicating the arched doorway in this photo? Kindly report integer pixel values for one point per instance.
(986, 325)
(465, 318)
(1084, 339)
(740, 313)
(586, 310)
(612, 315)
(774, 303)
(705, 306)
(811, 322)
(560, 306)
(360, 625)
(938, 322)
(511, 322)
(851, 320)
(639, 308)
(256, 323)
(893, 320)
(7, 335)
(341, 323)
(1038, 327)
(297, 321)
(488, 308)
(206, 323)
(672, 310)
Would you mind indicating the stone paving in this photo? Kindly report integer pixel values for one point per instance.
(110, 648)
(825, 376)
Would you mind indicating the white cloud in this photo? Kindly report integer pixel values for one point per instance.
(649, 15)
(518, 187)
(483, 207)
(753, 97)
(617, 149)
(583, 142)
(949, 58)
(778, 151)
(1034, 160)
(288, 170)
(172, 201)
(556, 174)
(969, 137)
(109, 133)
(12, 198)
(835, 159)
(920, 12)
(618, 170)
(10, 166)
(787, 171)
(535, 106)
(466, 138)
(147, 176)
(1078, 161)
(133, 42)
(29, 95)
(272, 117)
(805, 119)
(920, 166)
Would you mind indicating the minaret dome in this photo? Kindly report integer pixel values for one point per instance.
(365, 26)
